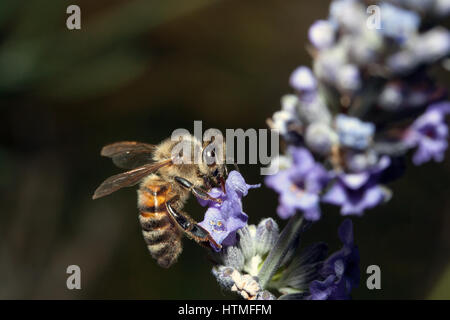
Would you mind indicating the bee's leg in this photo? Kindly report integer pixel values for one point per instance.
(190, 227)
(178, 217)
(198, 192)
(200, 233)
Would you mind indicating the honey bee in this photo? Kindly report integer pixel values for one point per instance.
(165, 185)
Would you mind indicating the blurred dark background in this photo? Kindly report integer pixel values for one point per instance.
(137, 70)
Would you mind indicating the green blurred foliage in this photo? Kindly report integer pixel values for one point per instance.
(137, 70)
(440, 291)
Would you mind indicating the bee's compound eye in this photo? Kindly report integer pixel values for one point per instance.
(210, 157)
(216, 173)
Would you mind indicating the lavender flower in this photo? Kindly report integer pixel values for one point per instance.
(224, 219)
(429, 133)
(348, 78)
(303, 80)
(356, 192)
(391, 98)
(322, 34)
(351, 109)
(238, 265)
(340, 271)
(299, 186)
(432, 45)
(320, 137)
(357, 161)
(348, 14)
(346, 138)
(298, 275)
(287, 121)
(398, 23)
(425, 48)
(353, 132)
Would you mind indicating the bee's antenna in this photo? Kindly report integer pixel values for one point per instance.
(222, 184)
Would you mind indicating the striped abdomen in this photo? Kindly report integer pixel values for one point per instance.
(163, 238)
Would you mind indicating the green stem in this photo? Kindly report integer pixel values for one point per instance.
(287, 239)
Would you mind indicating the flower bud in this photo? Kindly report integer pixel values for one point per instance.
(360, 161)
(391, 98)
(320, 138)
(353, 132)
(432, 45)
(265, 295)
(267, 233)
(348, 78)
(398, 23)
(322, 34)
(223, 276)
(233, 257)
(314, 111)
(246, 241)
(303, 80)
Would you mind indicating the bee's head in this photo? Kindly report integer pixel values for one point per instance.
(214, 167)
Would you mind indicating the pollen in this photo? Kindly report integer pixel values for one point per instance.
(245, 285)
(297, 191)
(217, 226)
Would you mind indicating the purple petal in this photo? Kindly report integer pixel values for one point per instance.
(356, 180)
(224, 219)
(284, 211)
(312, 214)
(215, 193)
(345, 232)
(279, 181)
(302, 158)
(235, 182)
(336, 194)
(368, 199)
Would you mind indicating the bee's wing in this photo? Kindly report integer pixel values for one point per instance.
(129, 154)
(128, 179)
